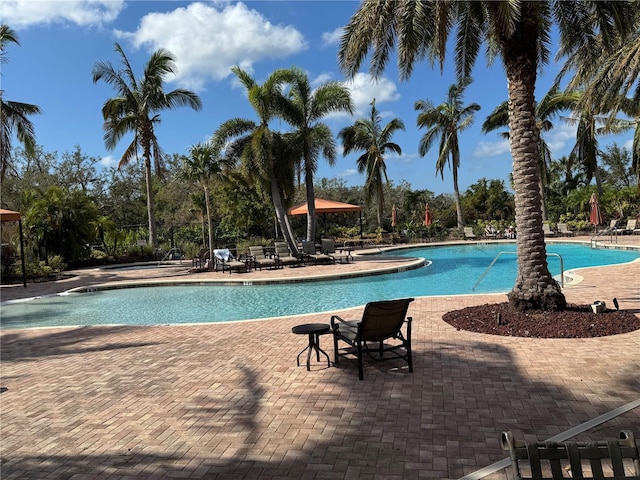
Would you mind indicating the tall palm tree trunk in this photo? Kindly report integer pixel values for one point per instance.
(151, 209)
(598, 177)
(380, 204)
(535, 288)
(456, 189)
(543, 206)
(210, 224)
(281, 215)
(311, 203)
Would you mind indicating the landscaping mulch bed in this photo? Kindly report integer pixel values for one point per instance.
(577, 321)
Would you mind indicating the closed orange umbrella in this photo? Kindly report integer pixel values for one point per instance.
(427, 216)
(394, 216)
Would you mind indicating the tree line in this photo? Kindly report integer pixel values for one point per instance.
(247, 156)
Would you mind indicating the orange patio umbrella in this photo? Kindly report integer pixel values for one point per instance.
(394, 216)
(595, 216)
(327, 206)
(427, 216)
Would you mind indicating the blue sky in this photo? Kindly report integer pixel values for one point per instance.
(61, 41)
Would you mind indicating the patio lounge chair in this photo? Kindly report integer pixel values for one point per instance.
(260, 259)
(224, 260)
(381, 322)
(490, 231)
(546, 229)
(468, 233)
(284, 255)
(329, 248)
(612, 227)
(629, 229)
(309, 253)
(563, 230)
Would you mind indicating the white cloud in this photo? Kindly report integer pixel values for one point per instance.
(108, 161)
(405, 158)
(207, 41)
(332, 38)
(22, 13)
(349, 172)
(364, 88)
(561, 139)
(628, 144)
(491, 149)
(320, 79)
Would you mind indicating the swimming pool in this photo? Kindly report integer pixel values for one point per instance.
(454, 270)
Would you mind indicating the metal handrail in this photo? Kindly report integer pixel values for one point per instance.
(484, 274)
(612, 233)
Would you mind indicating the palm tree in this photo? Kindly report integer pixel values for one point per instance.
(592, 122)
(631, 108)
(201, 166)
(304, 113)
(550, 105)
(445, 121)
(266, 156)
(520, 33)
(368, 135)
(606, 83)
(14, 115)
(136, 109)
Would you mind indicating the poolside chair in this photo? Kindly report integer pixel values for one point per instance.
(628, 229)
(379, 332)
(309, 253)
(490, 231)
(546, 229)
(260, 259)
(284, 255)
(563, 230)
(468, 233)
(329, 248)
(631, 226)
(224, 260)
(611, 228)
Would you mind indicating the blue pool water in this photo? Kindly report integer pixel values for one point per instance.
(454, 270)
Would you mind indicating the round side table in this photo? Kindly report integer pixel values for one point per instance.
(313, 330)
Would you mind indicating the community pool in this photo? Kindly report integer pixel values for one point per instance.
(454, 270)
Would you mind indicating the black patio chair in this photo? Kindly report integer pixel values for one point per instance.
(381, 326)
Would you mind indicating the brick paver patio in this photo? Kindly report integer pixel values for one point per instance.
(227, 401)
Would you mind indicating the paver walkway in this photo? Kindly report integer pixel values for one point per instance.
(227, 401)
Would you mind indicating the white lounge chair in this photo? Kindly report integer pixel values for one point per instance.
(468, 233)
(563, 230)
(224, 260)
(546, 228)
(629, 229)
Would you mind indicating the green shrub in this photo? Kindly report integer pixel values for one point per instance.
(39, 269)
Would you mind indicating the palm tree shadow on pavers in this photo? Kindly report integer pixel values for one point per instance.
(21, 345)
(200, 406)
